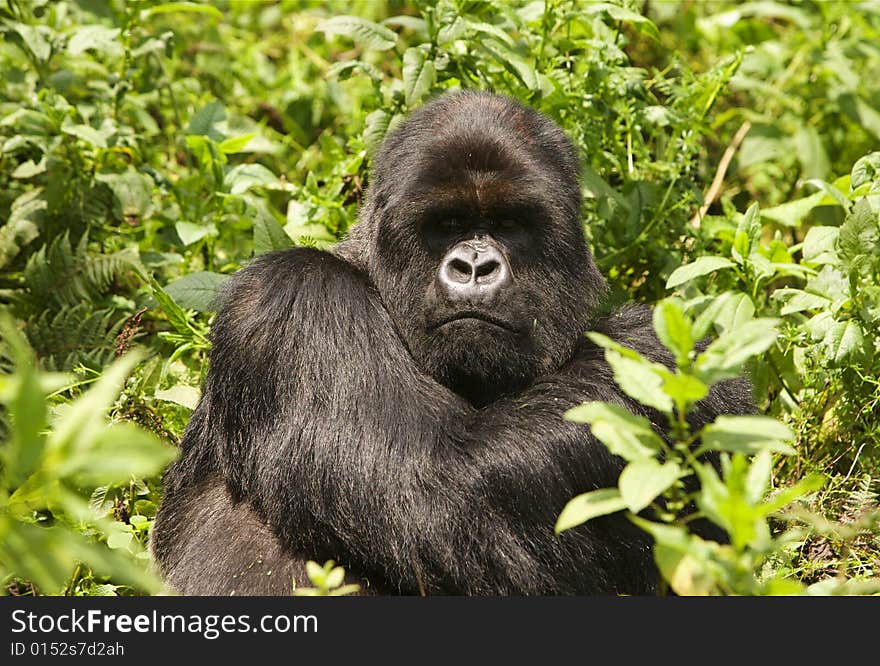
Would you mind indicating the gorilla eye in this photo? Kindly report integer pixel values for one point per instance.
(438, 232)
(507, 224)
(444, 227)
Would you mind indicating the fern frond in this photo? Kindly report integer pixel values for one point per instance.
(58, 275)
(74, 336)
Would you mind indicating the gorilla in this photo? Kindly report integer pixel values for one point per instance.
(396, 405)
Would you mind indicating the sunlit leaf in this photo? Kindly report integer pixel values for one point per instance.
(643, 480)
(748, 434)
(372, 35)
(588, 506)
(418, 75)
(702, 266)
(629, 436)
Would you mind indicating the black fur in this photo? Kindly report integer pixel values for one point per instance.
(340, 421)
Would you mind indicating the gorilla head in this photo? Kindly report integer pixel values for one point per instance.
(472, 235)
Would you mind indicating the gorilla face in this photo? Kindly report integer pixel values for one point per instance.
(477, 248)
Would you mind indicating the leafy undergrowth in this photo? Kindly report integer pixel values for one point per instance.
(148, 150)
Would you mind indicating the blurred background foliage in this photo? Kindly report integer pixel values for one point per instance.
(150, 149)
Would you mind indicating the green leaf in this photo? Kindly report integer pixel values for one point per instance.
(176, 316)
(346, 69)
(335, 578)
(687, 575)
(786, 496)
(36, 553)
(797, 300)
(698, 268)
(598, 187)
(452, 29)
(588, 506)
(298, 227)
(204, 121)
(724, 503)
(235, 144)
(830, 283)
(792, 213)
(514, 63)
(626, 435)
(84, 420)
(723, 359)
(728, 311)
(843, 340)
(673, 329)
(119, 536)
(138, 522)
(866, 170)
(819, 324)
(197, 291)
(369, 34)
(190, 232)
(617, 13)
(27, 408)
(820, 245)
(861, 112)
(95, 37)
(23, 225)
(639, 379)
(685, 561)
(316, 573)
(26, 443)
(835, 193)
(269, 235)
(748, 234)
(87, 133)
(763, 9)
(758, 478)
(210, 159)
(418, 75)
(36, 38)
(747, 434)
(684, 390)
(143, 508)
(186, 396)
(243, 177)
(29, 122)
(860, 233)
(375, 127)
(417, 25)
(29, 169)
(811, 153)
(116, 453)
(643, 480)
(133, 191)
(488, 29)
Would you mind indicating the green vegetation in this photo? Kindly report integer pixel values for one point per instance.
(730, 173)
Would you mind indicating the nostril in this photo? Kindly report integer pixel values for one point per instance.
(459, 270)
(473, 272)
(487, 268)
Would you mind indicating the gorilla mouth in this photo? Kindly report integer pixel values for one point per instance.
(473, 315)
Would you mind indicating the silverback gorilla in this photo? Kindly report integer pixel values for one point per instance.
(396, 405)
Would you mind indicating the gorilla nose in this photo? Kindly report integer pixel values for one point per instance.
(474, 270)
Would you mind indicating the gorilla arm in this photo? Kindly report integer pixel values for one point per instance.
(314, 414)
